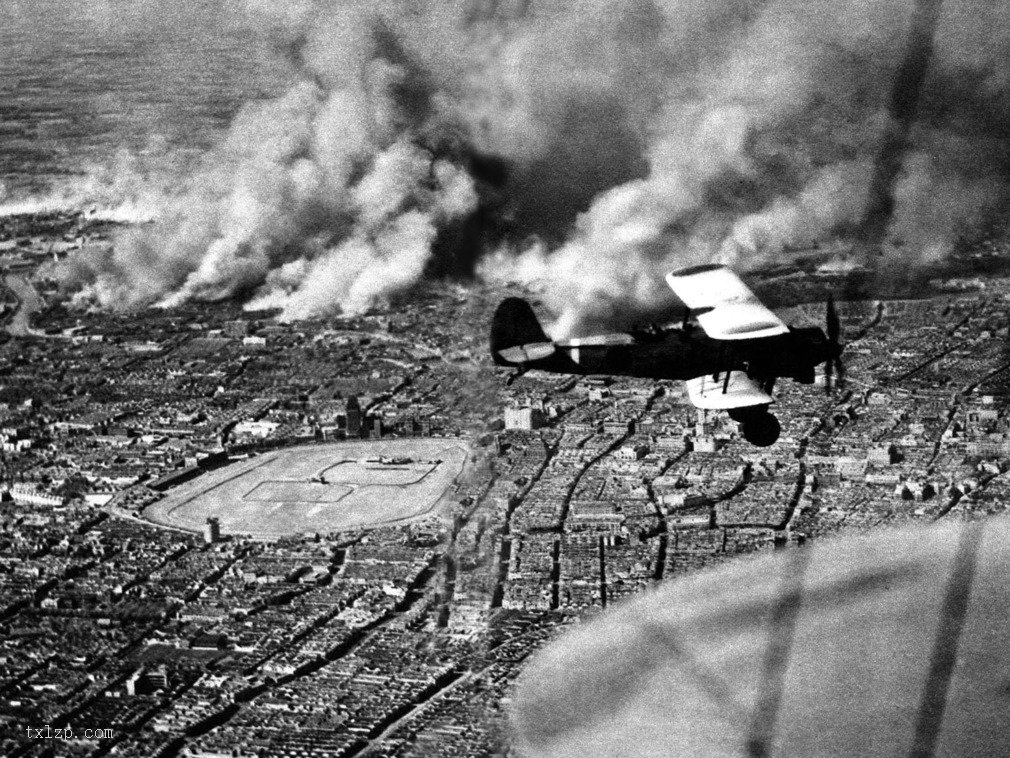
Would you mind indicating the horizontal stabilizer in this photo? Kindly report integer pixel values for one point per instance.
(533, 351)
(516, 334)
(599, 340)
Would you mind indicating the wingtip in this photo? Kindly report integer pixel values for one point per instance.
(691, 270)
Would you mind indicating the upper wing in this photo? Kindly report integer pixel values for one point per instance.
(731, 310)
(741, 392)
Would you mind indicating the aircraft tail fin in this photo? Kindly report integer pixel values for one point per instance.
(516, 334)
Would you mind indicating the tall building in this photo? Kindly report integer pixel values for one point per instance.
(144, 681)
(156, 679)
(702, 427)
(524, 417)
(131, 682)
(353, 416)
(212, 531)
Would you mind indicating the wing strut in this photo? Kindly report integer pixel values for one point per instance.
(512, 377)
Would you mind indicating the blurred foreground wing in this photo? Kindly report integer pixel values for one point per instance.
(892, 645)
(730, 311)
(740, 392)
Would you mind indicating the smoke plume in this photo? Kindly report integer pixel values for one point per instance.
(585, 145)
(906, 92)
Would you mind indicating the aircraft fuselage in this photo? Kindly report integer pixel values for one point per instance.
(687, 353)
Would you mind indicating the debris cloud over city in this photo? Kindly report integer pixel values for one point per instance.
(581, 147)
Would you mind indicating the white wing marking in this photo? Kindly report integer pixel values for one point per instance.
(531, 351)
(732, 312)
(575, 344)
(598, 340)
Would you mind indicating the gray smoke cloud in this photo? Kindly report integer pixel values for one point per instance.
(774, 141)
(585, 146)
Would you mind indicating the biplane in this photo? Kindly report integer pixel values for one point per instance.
(728, 347)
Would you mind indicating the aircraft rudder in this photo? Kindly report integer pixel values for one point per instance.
(514, 323)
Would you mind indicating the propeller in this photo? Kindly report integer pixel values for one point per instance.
(833, 363)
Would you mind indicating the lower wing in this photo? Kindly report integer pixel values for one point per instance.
(724, 391)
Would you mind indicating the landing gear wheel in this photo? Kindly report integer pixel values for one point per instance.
(761, 429)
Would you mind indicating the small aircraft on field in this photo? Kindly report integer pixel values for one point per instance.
(728, 347)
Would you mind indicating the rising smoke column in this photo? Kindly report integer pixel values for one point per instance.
(586, 146)
(906, 91)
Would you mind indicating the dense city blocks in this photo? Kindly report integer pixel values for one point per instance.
(224, 534)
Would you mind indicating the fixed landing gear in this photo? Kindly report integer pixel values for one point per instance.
(759, 427)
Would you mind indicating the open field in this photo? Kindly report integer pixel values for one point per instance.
(352, 472)
(318, 488)
(298, 492)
